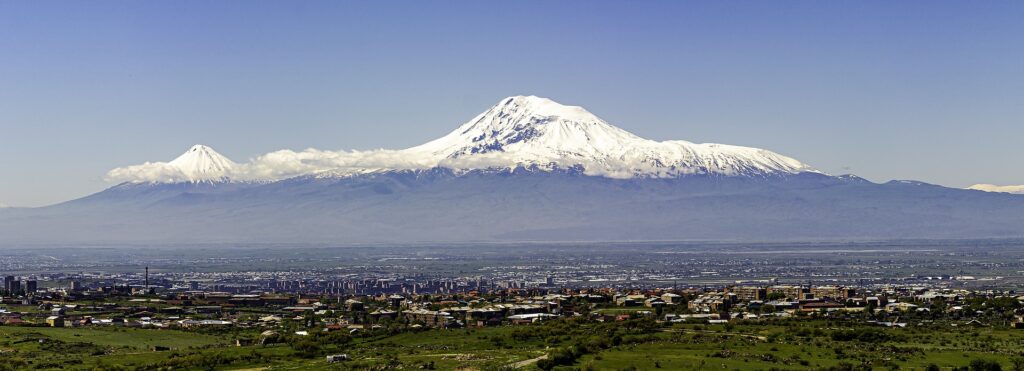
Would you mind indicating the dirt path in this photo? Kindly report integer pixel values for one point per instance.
(528, 362)
(687, 331)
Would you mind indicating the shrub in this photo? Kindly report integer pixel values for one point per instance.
(985, 365)
(306, 348)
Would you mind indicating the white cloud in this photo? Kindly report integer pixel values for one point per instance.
(284, 164)
(147, 172)
(287, 163)
(1016, 189)
(280, 165)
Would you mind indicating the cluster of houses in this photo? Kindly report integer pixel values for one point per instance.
(356, 313)
(754, 302)
(470, 316)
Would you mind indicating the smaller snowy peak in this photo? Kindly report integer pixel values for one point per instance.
(1015, 189)
(199, 163)
(203, 163)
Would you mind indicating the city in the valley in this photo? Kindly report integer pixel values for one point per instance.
(866, 305)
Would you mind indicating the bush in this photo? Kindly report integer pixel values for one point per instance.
(12, 363)
(985, 365)
(862, 335)
(306, 348)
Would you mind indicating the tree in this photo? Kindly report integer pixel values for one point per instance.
(306, 349)
(985, 365)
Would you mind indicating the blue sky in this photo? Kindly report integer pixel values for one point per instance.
(925, 90)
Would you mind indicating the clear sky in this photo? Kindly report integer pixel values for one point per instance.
(925, 90)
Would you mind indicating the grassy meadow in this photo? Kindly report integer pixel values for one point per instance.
(638, 344)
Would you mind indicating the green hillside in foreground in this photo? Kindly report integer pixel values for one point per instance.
(562, 345)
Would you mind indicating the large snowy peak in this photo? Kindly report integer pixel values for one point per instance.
(532, 126)
(534, 131)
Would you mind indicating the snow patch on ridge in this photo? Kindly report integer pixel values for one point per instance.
(520, 131)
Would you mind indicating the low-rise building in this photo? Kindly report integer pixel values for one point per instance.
(55, 321)
(792, 292)
(671, 298)
(749, 293)
(832, 292)
(712, 302)
(430, 318)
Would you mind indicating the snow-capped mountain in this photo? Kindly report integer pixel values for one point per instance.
(518, 132)
(203, 163)
(199, 164)
(1015, 189)
(526, 169)
(534, 131)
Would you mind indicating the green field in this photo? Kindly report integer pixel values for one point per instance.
(128, 338)
(796, 344)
